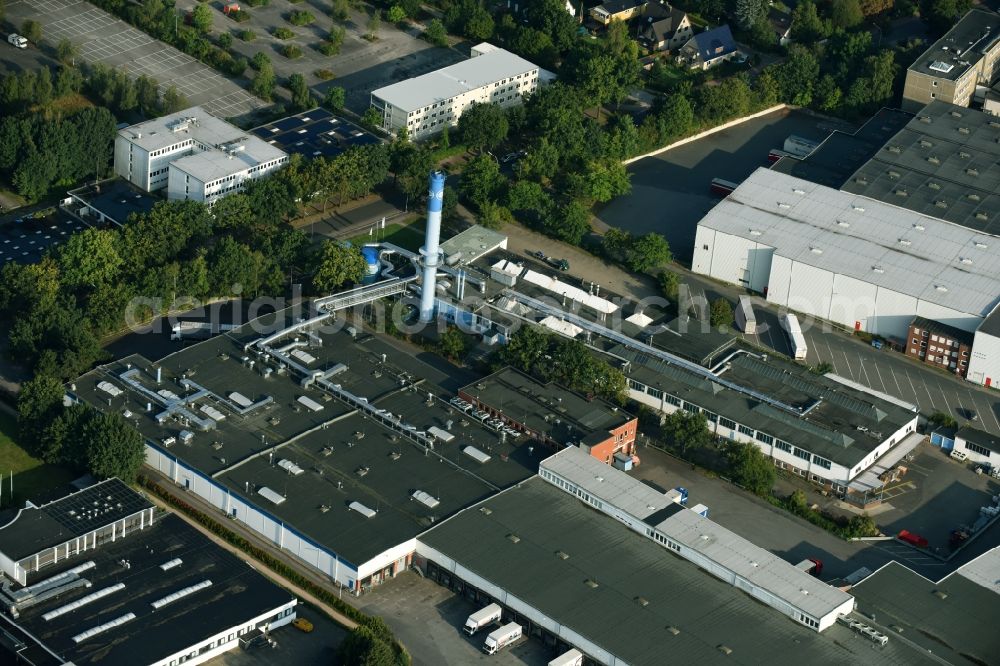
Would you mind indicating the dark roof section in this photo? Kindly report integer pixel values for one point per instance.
(841, 154)
(984, 439)
(954, 618)
(237, 594)
(781, 21)
(663, 24)
(117, 199)
(563, 415)
(945, 163)
(961, 47)
(34, 530)
(616, 6)
(314, 133)
(642, 601)
(991, 325)
(833, 410)
(937, 328)
(714, 43)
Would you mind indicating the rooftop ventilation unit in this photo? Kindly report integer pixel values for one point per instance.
(513, 538)
(878, 269)
(857, 208)
(82, 601)
(816, 250)
(118, 621)
(290, 467)
(426, 498)
(981, 245)
(903, 241)
(476, 454)
(965, 260)
(843, 223)
(179, 594)
(919, 227)
(362, 509)
(176, 562)
(270, 495)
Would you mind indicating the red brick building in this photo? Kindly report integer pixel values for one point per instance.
(554, 415)
(940, 345)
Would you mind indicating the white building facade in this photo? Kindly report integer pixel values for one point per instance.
(193, 155)
(984, 359)
(859, 263)
(426, 104)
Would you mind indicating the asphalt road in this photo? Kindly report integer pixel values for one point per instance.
(670, 191)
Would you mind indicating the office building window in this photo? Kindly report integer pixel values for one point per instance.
(981, 450)
(745, 430)
(799, 453)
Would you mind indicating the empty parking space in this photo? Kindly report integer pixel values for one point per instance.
(103, 38)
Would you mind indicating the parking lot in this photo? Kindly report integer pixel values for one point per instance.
(102, 37)
(294, 647)
(670, 191)
(428, 619)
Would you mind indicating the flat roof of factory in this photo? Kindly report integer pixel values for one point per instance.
(237, 594)
(34, 529)
(624, 592)
(343, 456)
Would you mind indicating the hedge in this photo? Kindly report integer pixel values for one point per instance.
(271, 562)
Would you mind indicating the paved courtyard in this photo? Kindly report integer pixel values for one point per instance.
(104, 38)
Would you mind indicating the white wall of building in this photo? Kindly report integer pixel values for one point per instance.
(267, 526)
(183, 185)
(228, 640)
(981, 455)
(732, 259)
(984, 361)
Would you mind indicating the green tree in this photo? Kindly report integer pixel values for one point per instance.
(749, 12)
(846, 13)
(602, 180)
(436, 33)
(570, 223)
(259, 60)
(225, 40)
(938, 418)
(481, 180)
(334, 99)
(372, 118)
(38, 404)
(339, 10)
(66, 51)
(396, 14)
(648, 252)
(362, 647)
(827, 94)
(90, 257)
(550, 18)
(670, 284)
(483, 126)
(807, 26)
(374, 23)
(173, 101)
(43, 87)
(453, 344)
(542, 161)
(675, 119)
(687, 430)
(750, 468)
(942, 14)
(861, 526)
(822, 368)
(526, 195)
(147, 92)
(721, 313)
(334, 41)
(114, 447)
(797, 75)
(32, 31)
(339, 264)
(201, 18)
(263, 82)
(301, 97)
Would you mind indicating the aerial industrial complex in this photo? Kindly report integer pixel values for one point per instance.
(103, 578)
(193, 155)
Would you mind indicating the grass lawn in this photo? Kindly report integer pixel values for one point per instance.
(409, 236)
(31, 476)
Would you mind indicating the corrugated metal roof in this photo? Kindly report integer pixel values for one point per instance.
(925, 257)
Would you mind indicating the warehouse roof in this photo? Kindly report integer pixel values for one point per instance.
(557, 412)
(237, 594)
(865, 239)
(471, 244)
(35, 529)
(622, 591)
(954, 618)
(942, 164)
(443, 84)
(343, 455)
(831, 411)
(961, 47)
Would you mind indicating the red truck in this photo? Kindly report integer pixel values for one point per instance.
(912, 538)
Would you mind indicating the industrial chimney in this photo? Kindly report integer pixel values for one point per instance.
(430, 251)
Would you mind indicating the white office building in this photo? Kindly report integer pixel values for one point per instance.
(193, 155)
(860, 263)
(427, 104)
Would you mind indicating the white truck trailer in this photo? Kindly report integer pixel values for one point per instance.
(502, 637)
(482, 617)
(798, 341)
(572, 658)
(17, 40)
(745, 319)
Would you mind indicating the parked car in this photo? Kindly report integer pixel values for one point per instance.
(302, 624)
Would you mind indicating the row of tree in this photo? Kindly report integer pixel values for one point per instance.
(553, 358)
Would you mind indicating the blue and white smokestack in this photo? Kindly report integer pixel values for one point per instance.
(430, 250)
